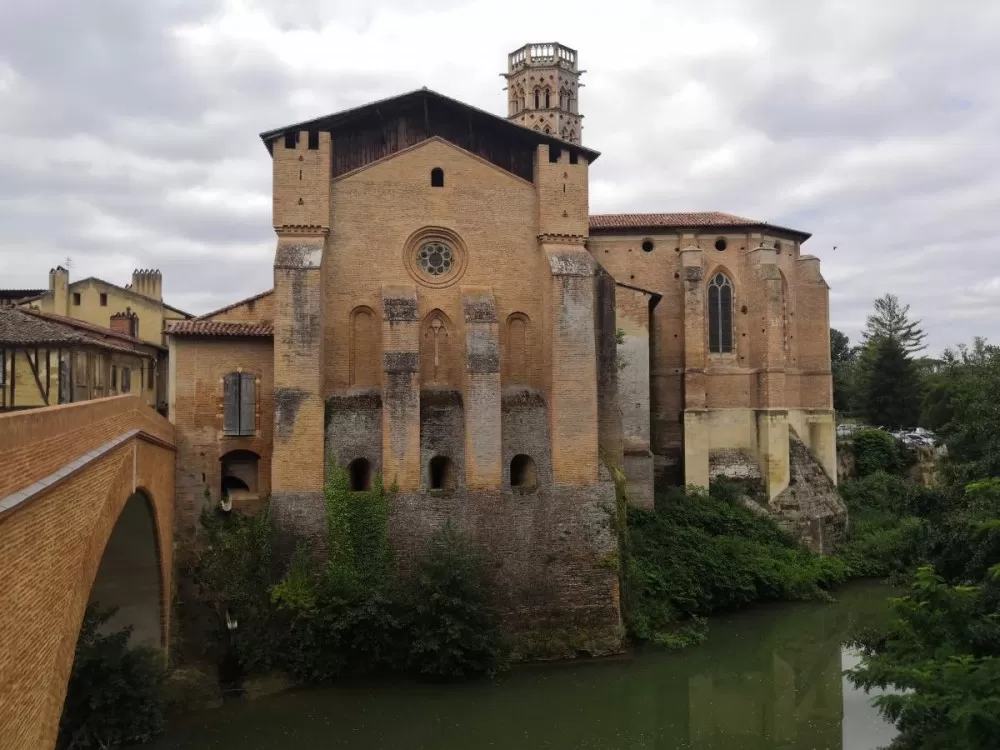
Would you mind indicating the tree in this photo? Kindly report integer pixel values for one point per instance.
(890, 388)
(843, 357)
(892, 321)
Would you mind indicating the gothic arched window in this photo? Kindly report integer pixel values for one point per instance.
(720, 314)
(538, 97)
(547, 99)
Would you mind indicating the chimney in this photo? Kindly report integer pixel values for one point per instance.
(59, 290)
(126, 322)
(148, 282)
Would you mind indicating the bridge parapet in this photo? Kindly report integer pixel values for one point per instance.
(38, 442)
(86, 512)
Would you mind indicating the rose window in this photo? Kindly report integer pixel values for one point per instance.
(435, 258)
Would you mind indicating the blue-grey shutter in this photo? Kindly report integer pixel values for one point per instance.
(231, 404)
(248, 404)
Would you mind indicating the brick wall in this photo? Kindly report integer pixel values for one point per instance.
(196, 410)
(52, 543)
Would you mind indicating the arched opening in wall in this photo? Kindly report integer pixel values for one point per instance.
(437, 177)
(548, 99)
(538, 98)
(523, 474)
(360, 472)
(441, 473)
(128, 578)
(240, 481)
(720, 314)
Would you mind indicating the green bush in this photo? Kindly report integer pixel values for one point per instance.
(452, 631)
(697, 554)
(348, 614)
(877, 450)
(941, 657)
(113, 692)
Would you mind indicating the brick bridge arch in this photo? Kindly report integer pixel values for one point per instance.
(86, 510)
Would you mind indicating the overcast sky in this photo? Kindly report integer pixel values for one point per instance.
(129, 129)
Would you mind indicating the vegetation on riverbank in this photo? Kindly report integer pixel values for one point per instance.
(698, 553)
(943, 649)
(113, 694)
(349, 612)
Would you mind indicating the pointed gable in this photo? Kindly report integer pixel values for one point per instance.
(374, 131)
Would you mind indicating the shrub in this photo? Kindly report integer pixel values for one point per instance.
(454, 633)
(347, 615)
(697, 554)
(113, 692)
(877, 450)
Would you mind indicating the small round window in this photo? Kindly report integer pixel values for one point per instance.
(720, 244)
(435, 258)
(647, 246)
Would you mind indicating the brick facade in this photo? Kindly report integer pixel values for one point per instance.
(442, 298)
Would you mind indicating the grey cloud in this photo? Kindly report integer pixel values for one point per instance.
(871, 125)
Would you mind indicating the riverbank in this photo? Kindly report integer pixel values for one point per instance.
(768, 675)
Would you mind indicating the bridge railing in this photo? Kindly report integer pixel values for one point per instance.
(37, 442)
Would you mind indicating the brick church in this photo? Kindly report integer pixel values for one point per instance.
(447, 313)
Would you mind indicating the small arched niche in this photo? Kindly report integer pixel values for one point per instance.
(523, 473)
(360, 475)
(437, 177)
(441, 473)
(240, 471)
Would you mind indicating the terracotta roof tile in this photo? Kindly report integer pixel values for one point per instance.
(20, 327)
(228, 307)
(218, 328)
(685, 220)
(91, 328)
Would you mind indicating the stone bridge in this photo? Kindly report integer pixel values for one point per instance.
(86, 513)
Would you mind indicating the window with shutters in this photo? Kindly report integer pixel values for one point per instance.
(150, 382)
(114, 377)
(720, 315)
(239, 404)
(126, 380)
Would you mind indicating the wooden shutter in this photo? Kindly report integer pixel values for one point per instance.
(231, 404)
(248, 404)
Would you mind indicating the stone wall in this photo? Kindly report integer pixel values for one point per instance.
(810, 508)
(354, 428)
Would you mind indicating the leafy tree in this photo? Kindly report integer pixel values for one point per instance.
(963, 406)
(113, 693)
(891, 320)
(843, 357)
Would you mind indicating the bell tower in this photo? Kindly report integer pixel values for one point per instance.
(543, 83)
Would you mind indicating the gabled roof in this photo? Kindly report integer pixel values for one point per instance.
(21, 327)
(218, 328)
(606, 223)
(228, 307)
(389, 106)
(94, 331)
(128, 291)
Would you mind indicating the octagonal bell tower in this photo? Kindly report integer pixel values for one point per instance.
(543, 83)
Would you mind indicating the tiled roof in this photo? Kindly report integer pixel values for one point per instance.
(683, 221)
(20, 327)
(218, 328)
(129, 342)
(228, 307)
(129, 290)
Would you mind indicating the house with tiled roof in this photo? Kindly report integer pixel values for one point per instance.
(48, 359)
(447, 313)
(136, 310)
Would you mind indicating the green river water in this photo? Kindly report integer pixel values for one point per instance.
(770, 677)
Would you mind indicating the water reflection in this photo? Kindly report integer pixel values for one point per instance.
(770, 678)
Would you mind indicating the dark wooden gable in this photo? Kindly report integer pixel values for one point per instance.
(375, 131)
